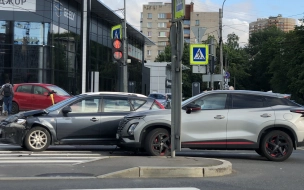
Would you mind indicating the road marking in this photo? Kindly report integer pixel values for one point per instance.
(63, 158)
(170, 188)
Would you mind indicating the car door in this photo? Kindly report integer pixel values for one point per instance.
(40, 99)
(23, 97)
(205, 127)
(247, 116)
(113, 110)
(82, 124)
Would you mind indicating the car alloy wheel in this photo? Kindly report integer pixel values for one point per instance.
(37, 139)
(158, 143)
(277, 146)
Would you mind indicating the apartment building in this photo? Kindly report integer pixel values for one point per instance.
(285, 24)
(155, 24)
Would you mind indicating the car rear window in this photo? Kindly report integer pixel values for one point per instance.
(137, 103)
(24, 88)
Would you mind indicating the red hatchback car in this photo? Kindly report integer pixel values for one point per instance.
(32, 96)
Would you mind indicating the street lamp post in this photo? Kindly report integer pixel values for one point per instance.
(221, 44)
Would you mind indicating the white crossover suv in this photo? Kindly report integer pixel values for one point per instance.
(268, 123)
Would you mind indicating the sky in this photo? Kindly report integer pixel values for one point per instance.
(237, 14)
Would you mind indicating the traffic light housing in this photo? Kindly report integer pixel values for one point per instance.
(117, 50)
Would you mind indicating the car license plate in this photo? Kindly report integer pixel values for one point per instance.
(117, 136)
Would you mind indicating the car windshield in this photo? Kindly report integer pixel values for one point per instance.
(60, 104)
(59, 91)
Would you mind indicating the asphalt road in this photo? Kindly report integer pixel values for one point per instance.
(250, 172)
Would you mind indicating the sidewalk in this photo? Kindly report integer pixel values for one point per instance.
(121, 167)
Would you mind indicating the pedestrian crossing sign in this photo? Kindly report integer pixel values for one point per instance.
(116, 32)
(199, 54)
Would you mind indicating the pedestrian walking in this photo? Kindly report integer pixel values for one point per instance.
(8, 94)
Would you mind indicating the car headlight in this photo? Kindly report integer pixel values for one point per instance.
(21, 121)
(132, 128)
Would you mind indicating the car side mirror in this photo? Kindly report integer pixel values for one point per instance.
(192, 107)
(52, 92)
(66, 109)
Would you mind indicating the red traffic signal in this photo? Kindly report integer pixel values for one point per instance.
(117, 49)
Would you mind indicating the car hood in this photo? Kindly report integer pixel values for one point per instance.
(150, 112)
(25, 114)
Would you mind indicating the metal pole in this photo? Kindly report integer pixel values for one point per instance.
(221, 44)
(125, 67)
(84, 45)
(221, 50)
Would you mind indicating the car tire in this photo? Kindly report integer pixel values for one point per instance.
(259, 152)
(158, 142)
(15, 108)
(37, 139)
(276, 146)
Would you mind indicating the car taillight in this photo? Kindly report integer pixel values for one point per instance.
(297, 110)
(159, 104)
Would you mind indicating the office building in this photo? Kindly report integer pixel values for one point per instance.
(66, 43)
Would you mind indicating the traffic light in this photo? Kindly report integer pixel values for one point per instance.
(117, 50)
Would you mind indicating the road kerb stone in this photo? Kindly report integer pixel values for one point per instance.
(128, 173)
(156, 172)
(224, 169)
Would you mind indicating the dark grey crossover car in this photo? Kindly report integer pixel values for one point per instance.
(90, 118)
(268, 123)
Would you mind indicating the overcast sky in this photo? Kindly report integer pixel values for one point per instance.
(237, 13)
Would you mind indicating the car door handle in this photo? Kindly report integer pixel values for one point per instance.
(219, 117)
(94, 119)
(266, 115)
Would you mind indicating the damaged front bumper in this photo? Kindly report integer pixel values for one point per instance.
(12, 130)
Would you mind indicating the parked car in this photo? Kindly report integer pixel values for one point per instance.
(161, 98)
(90, 118)
(268, 123)
(31, 96)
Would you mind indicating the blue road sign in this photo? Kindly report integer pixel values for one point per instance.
(199, 54)
(116, 32)
(227, 75)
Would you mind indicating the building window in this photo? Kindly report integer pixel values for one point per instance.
(161, 15)
(149, 33)
(30, 33)
(161, 25)
(162, 43)
(197, 22)
(148, 52)
(141, 15)
(187, 40)
(186, 31)
(149, 24)
(186, 22)
(162, 34)
(149, 15)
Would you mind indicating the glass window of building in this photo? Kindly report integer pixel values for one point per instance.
(187, 40)
(161, 24)
(197, 22)
(148, 52)
(186, 31)
(161, 15)
(162, 43)
(29, 33)
(162, 34)
(186, 22)
(149, 24)
(149, 15)
(149, 33)
(141, 15)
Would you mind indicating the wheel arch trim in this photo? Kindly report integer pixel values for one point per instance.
(150, 127)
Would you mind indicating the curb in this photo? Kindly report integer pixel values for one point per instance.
(171, 172)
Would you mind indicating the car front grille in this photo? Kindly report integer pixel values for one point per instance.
(122, 123)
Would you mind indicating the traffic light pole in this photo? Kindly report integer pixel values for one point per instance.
(125, 54)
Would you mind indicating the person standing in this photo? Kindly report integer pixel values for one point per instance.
(8, 94)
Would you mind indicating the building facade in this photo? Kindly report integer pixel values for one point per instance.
(285, 24)
(62, 42)
(155, 24)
